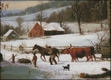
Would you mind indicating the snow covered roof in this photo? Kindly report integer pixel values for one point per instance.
(52, 26)
(9, 32)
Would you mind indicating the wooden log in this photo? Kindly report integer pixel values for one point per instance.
(102, 75)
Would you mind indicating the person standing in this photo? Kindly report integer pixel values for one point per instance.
(34, 59)
(1, 57)
(13, 58)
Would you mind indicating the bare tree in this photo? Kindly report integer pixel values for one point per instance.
(102, 39)
(19, 20)
(53, 17)
(109, 17)
(41, 15)
(98, 9)
(67, 29)
(78, 8)
(60, 18)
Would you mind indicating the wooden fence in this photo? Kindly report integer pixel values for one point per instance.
(27, 49)
(104, 50)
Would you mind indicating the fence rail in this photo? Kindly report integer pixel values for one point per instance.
(27, 49)
(104, 50)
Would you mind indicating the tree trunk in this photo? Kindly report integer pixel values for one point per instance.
(109, 22)
(79, 26)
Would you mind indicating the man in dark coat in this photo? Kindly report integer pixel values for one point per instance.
(34, 59)
(1, 57)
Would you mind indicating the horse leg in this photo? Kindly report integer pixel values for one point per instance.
(77, 59)
(90, 57)
(94, 57)
(58, 58)
(54, 60)
(50, 60)
(72, 60)
(42, 58)
(87, 58)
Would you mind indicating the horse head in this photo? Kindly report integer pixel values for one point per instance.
(66, 51)
(35, 47)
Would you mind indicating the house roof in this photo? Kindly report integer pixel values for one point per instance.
(9, 32)
(49, 26)
(52, 26)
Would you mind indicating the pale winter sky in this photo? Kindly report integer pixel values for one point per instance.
(21, 4)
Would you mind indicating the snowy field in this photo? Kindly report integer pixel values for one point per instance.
(45, 70)
(59, 40)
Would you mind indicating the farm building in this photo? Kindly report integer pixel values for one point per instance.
(45, 30)
(11, 34)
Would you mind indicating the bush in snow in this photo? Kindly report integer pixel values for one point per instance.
(23, 60)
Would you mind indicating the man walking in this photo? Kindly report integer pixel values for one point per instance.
(34, 59)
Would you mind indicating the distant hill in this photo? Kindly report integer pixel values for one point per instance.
(37, 8)
(46, 13)
(4, 13)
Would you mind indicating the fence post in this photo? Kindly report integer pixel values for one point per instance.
(21, 48)
(11, 48)
(97, 48)
(4, 46)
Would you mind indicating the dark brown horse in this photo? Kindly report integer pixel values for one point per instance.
(80, 52)
(45, 51)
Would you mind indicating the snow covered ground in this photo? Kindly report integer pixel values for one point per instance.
(45, 70)
(59, 40)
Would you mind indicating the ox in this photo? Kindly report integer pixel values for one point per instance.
(80, 52)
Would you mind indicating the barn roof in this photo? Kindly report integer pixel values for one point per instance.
(49, 26)
(52, 26)
(9, 32)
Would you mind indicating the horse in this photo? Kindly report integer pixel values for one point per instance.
(80, 52)
(45, 51)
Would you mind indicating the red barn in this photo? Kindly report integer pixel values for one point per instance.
(36, 31)
(46, 29)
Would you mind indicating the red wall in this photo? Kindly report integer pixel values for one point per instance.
(36, 31)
